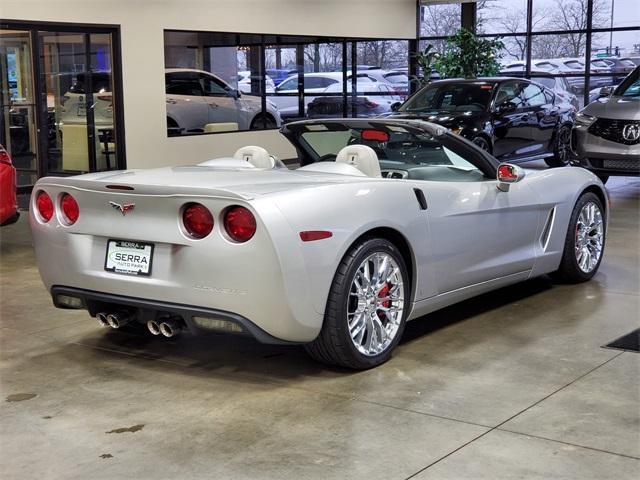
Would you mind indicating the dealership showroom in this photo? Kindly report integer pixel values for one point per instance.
(320, 239)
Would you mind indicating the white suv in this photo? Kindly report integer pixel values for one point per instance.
(195, 98)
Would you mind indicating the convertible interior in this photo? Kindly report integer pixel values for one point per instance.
(395, 153)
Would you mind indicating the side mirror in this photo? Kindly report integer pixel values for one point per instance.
(508, 174)
(395, 106)
(235, 93)
(605, 91)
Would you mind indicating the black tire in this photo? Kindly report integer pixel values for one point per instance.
(561, 148)
(569, 270)
(334, 345)
(261, 122)
(483, 143)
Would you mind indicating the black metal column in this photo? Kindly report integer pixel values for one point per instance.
(469, 12)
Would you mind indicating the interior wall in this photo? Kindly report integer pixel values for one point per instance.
(142, 23)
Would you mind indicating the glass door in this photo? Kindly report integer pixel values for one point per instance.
(77, 89)
(17, 102)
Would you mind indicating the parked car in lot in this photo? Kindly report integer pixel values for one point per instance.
(373, 98)
(196, 98)
(397, 80)
(513, 118)
(8, 199)
(385, 221)
(558, 85)
(619, 67)
(245, 78)
(572, 68)
(606, 135)
(279, 74)
(72, 107)
(286, 96)
(601, 92)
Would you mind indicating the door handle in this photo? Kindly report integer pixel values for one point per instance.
(213, 105)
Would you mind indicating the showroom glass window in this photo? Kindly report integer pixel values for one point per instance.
(224, 82)
(60, 98)
(574, 47)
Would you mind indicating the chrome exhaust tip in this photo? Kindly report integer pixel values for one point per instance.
(153, 327)
(170, 327)
(102, 319)
(117, 320)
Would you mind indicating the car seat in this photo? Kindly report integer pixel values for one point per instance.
(256, 156)
(361, 157)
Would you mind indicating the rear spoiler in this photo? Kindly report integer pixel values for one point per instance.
(120, 187)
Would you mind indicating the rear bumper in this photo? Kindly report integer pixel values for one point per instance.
(143, 310)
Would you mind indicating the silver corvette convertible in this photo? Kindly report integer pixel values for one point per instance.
(383, 222)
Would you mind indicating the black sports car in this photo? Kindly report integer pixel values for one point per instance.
(515, 119)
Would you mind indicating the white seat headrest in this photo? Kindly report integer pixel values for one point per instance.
(256, 156)
(362, 157)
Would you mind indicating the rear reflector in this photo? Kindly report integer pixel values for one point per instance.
(311, 235)
(217, 324)
(70, 302)
(44, 206)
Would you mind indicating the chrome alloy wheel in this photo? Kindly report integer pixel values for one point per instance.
(375, 304)
(589, 237)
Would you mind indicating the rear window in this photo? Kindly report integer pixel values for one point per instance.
(547, 65)
(574, 64)
(396, 77)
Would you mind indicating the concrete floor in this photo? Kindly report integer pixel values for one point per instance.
(513, 384)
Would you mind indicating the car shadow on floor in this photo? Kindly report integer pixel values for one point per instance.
(217, 354)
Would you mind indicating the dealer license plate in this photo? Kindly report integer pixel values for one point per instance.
(129, 258)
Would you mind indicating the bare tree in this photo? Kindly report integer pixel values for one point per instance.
(572, 15)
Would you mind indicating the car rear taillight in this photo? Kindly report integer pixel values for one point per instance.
(44, 206)
(197, 220)
(70, 209)
(240, 224)
(5, 157)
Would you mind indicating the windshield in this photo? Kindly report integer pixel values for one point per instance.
(630, 86)
(450, 97)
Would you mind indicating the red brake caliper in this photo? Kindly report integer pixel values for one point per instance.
(384, 292)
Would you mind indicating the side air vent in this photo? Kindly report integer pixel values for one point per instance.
(548, 227)
(422, 201)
